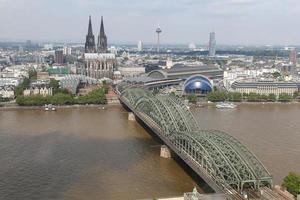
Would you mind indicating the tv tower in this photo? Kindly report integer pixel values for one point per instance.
(158, 31)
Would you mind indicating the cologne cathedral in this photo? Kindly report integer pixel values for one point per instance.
(98, 63)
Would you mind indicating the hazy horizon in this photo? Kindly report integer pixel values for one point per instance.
(236, 22)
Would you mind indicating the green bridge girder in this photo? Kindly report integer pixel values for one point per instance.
(228, 162)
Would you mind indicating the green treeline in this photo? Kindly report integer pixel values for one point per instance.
(20, 88)
(94, 97)
(292, 183)
(217, 96)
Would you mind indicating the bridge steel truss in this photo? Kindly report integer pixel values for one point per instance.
(220, 159)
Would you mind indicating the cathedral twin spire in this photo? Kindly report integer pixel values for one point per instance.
(90, 46)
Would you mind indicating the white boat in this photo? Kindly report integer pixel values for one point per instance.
(224, 105)
(49, 107)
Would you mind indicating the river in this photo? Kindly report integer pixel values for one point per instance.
(271, 131)
(91, 153)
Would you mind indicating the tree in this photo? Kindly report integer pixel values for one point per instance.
(216, 96)
(254, 97)
(264, 97)
(54, 84)
(32, 74)
(94, 97)
(19, 91)
(35, 100)
(292, 183)
(215, 88)
(245, 96)
(235, 96)
(20, 88)
(272, 97)
(276, 74)
(26, 83)
(61, 99)
(105, 86)
(284, 97)
(192, 98)
(296, 95)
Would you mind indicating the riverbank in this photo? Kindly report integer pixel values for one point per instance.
(200, 104)
(16, 107)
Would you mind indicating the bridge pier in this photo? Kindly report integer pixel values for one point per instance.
(166, 152)
(131, 116)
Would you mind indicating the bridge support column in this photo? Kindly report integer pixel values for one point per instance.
(165, 152)
(131, 116)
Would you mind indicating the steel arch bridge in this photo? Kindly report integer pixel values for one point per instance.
(220, 159)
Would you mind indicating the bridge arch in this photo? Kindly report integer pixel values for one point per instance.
(217, 154)
(158, 74)
(208, 158)
(154, 109)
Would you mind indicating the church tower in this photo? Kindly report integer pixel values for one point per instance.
(102, 39)
(90, 46)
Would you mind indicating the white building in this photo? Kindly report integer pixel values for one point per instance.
(140, 46)
(241, 74)
(67, 50)
(7, 92)
(129, 71)
(15, 71)
(9, 82)
(44, 91)
(265, 87)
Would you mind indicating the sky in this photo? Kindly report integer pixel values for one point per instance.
(236, 22)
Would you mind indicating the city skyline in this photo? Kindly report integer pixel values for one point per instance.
(245, 22)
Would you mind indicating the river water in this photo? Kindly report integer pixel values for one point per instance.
(271, 131)
(98, 154)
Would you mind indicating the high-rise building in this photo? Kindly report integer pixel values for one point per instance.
(90, 46)
(59, 56)
(28, 44)
(212, 44)
(140, 46)
(293, 57)
(102, 39)
(67, 50)
(158, 31)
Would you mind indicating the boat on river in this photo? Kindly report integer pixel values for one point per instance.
(225, 105)
(49, 107)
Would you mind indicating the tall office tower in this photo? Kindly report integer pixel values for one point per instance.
(158, 31)
(28, 44)
(59, 56)
(212, 44)
(102, 39)
(293, 57)
(90, 46)
(140, 46)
